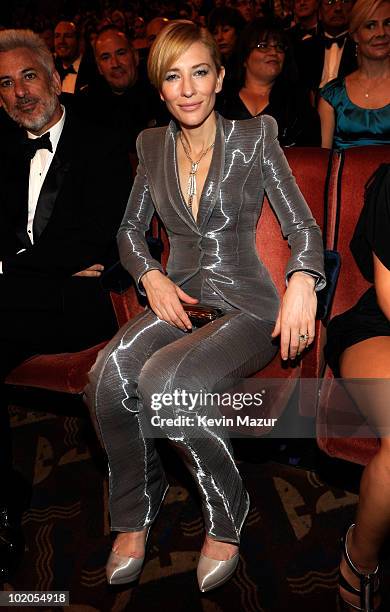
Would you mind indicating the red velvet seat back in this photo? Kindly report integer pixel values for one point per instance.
(309, 166)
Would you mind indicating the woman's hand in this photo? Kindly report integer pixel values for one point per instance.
(164, 299)
(296, 316)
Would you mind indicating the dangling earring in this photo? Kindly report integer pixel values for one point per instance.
(356, 49)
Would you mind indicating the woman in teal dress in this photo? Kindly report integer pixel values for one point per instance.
(355, 110)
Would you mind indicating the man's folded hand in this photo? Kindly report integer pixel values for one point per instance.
(93, 271)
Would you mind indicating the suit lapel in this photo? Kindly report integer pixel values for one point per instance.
(17, 185)
(172, 182)
(19, 190)
(214, 177)
(53, 181)
(211, 185)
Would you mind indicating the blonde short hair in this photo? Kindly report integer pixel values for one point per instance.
(361, 11)
(174, 40)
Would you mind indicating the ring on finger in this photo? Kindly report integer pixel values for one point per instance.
(303, 337)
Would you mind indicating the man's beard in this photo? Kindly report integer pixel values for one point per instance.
(35, 122)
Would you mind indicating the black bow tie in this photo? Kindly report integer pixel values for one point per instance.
(33, 144)
(338, 40)
(65, 71)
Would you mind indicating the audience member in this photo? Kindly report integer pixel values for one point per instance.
(59, 212)
(89, 32)
(139, 33)
(225, 24)
(46, 32)
(355, 110)
(153, 27)
(267, 83)
(306, 16)
(245, 7)
(283, 10)
(358, 347)
(119, 100)
(186, 10)
(332, 52)
(118, 19)
(75, 70)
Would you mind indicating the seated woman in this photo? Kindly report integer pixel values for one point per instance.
(225, 24)
(359, 347)
(205, 177)
(266, 82)
(355, 110)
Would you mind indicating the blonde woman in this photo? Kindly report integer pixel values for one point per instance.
(206, 178)
(355, 110)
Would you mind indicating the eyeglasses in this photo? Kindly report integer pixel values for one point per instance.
(332, 2)
(263, 47)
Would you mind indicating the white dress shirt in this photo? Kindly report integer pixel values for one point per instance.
(39, 167)
(332, 60)
(69, 82)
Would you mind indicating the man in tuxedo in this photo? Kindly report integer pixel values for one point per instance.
(75, 69)
(331, 53)
(306, 16)
(64, 185)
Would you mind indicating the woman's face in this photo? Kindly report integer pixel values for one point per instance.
(226, 37)
(265, 62)
(373, 36)
(190, 85)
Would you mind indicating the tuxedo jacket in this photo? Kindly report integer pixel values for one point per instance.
(220, 246)
(79, 208)
(310, 57)
(87, 72)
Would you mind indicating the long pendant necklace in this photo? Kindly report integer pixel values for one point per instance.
(191, 187)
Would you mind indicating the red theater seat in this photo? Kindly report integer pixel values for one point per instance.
(67, 372)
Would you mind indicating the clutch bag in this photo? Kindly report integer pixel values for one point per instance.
(201, 315)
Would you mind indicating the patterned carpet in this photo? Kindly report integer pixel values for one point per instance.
(289, 551)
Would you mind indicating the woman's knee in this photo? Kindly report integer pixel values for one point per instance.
(96, 378)
(166, 382)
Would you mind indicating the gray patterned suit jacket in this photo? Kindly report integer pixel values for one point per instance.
(220, 246)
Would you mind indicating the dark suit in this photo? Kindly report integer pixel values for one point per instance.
(87, 72)
(310, 56)
(128, 113)
(43, 308)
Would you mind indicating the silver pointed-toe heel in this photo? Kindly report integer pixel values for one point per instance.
(212, 573)
(120, 570)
